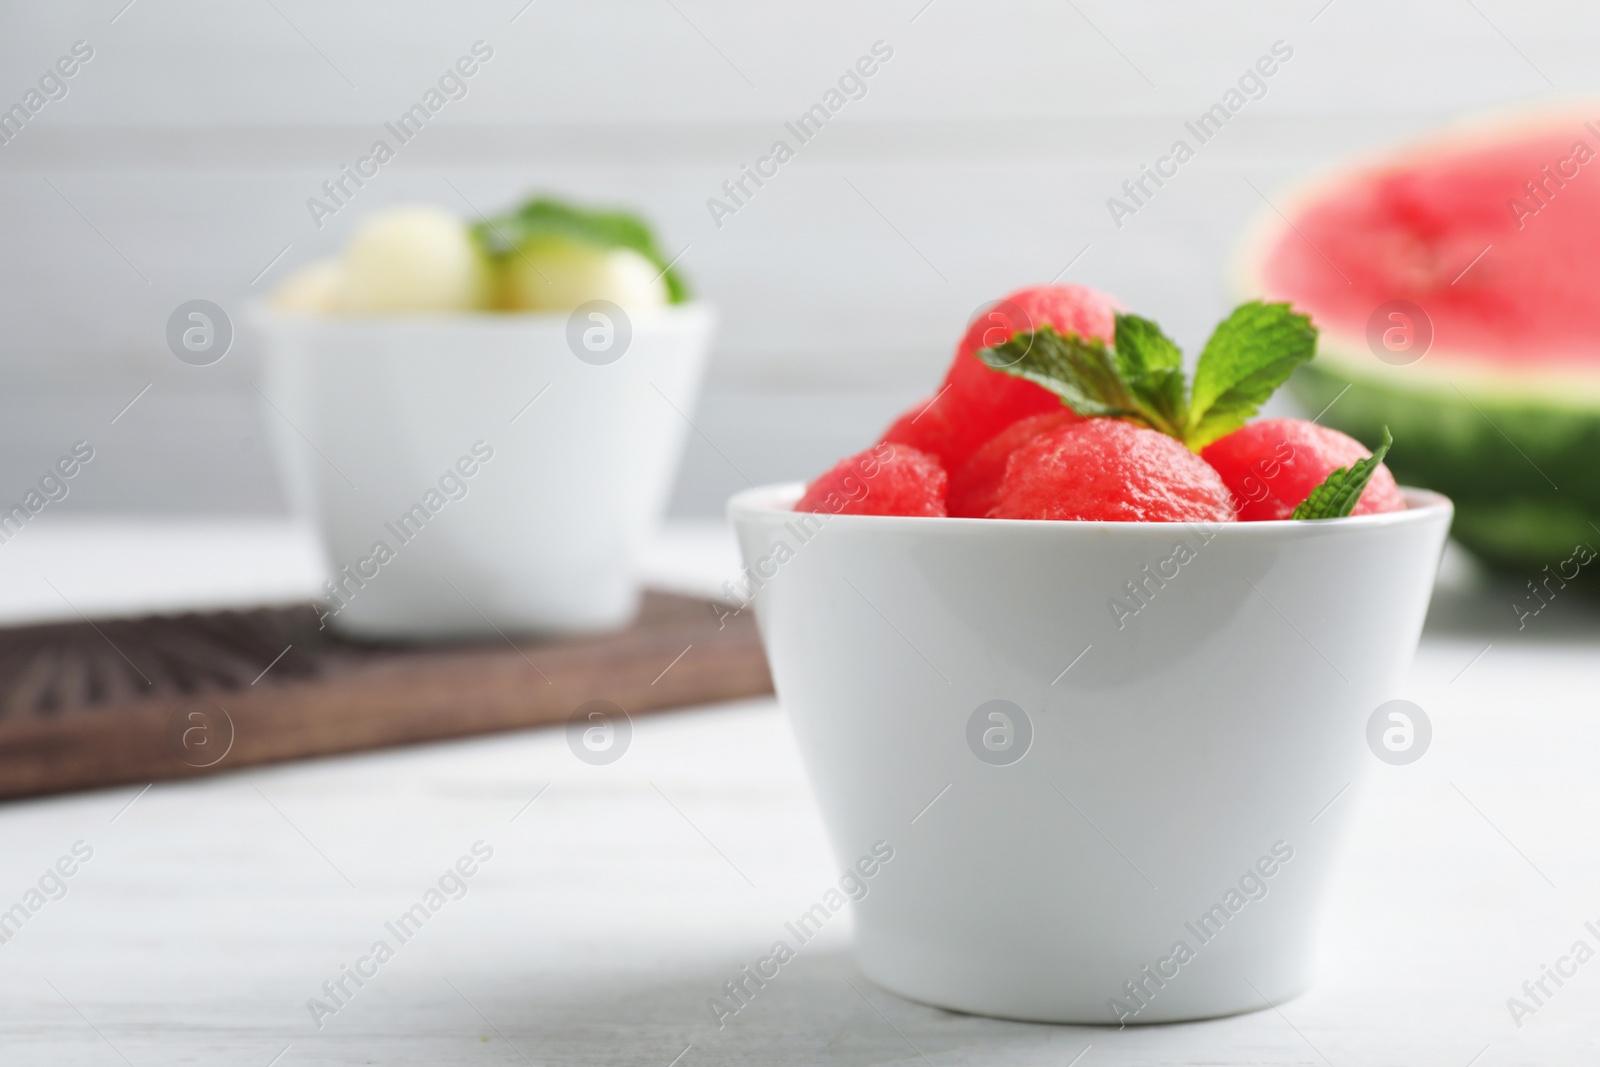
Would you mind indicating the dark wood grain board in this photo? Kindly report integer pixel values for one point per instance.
(138, 700)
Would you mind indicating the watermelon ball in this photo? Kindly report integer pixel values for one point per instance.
(928, 426)
(886, 479)
(976, 486)
(1272, 465)
(975, 401)
(1111, 471)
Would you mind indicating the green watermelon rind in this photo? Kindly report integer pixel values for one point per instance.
(1520, 468)
(1517, 449)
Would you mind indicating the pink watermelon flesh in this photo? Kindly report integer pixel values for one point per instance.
(1409, 230)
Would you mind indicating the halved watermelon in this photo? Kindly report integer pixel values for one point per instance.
(1457, 288)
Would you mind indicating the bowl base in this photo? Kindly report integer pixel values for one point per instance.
(1199, 1004)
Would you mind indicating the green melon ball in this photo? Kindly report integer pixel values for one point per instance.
(555, 274)
(415, 258)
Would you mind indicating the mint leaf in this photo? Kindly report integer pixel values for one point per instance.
(543, 217)
(1152, 367)
(1082, 371)
(1339, 492)
(1252, 352)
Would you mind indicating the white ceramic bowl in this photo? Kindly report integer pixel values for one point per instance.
(1051, 852)
(532, 513)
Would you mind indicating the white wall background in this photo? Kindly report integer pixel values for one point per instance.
(980, 159)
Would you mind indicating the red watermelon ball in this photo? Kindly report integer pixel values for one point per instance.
(975, 401)
(928, 427)
(1272, 465)
(886, 479)
(1111, 471)
(975, 488)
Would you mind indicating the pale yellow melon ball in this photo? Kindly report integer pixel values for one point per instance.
(311, 290)
(412, 259)
(553, 274)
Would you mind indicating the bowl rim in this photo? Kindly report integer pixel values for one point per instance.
(764, 502)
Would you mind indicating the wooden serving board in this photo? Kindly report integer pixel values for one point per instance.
(91, 704)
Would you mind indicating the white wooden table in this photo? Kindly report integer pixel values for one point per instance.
(619, 898)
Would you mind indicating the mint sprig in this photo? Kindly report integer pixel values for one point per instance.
(1340, 491)
(1140, 375)
(543, 217)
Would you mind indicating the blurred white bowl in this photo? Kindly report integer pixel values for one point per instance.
(509, 466)
(1071, 790)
